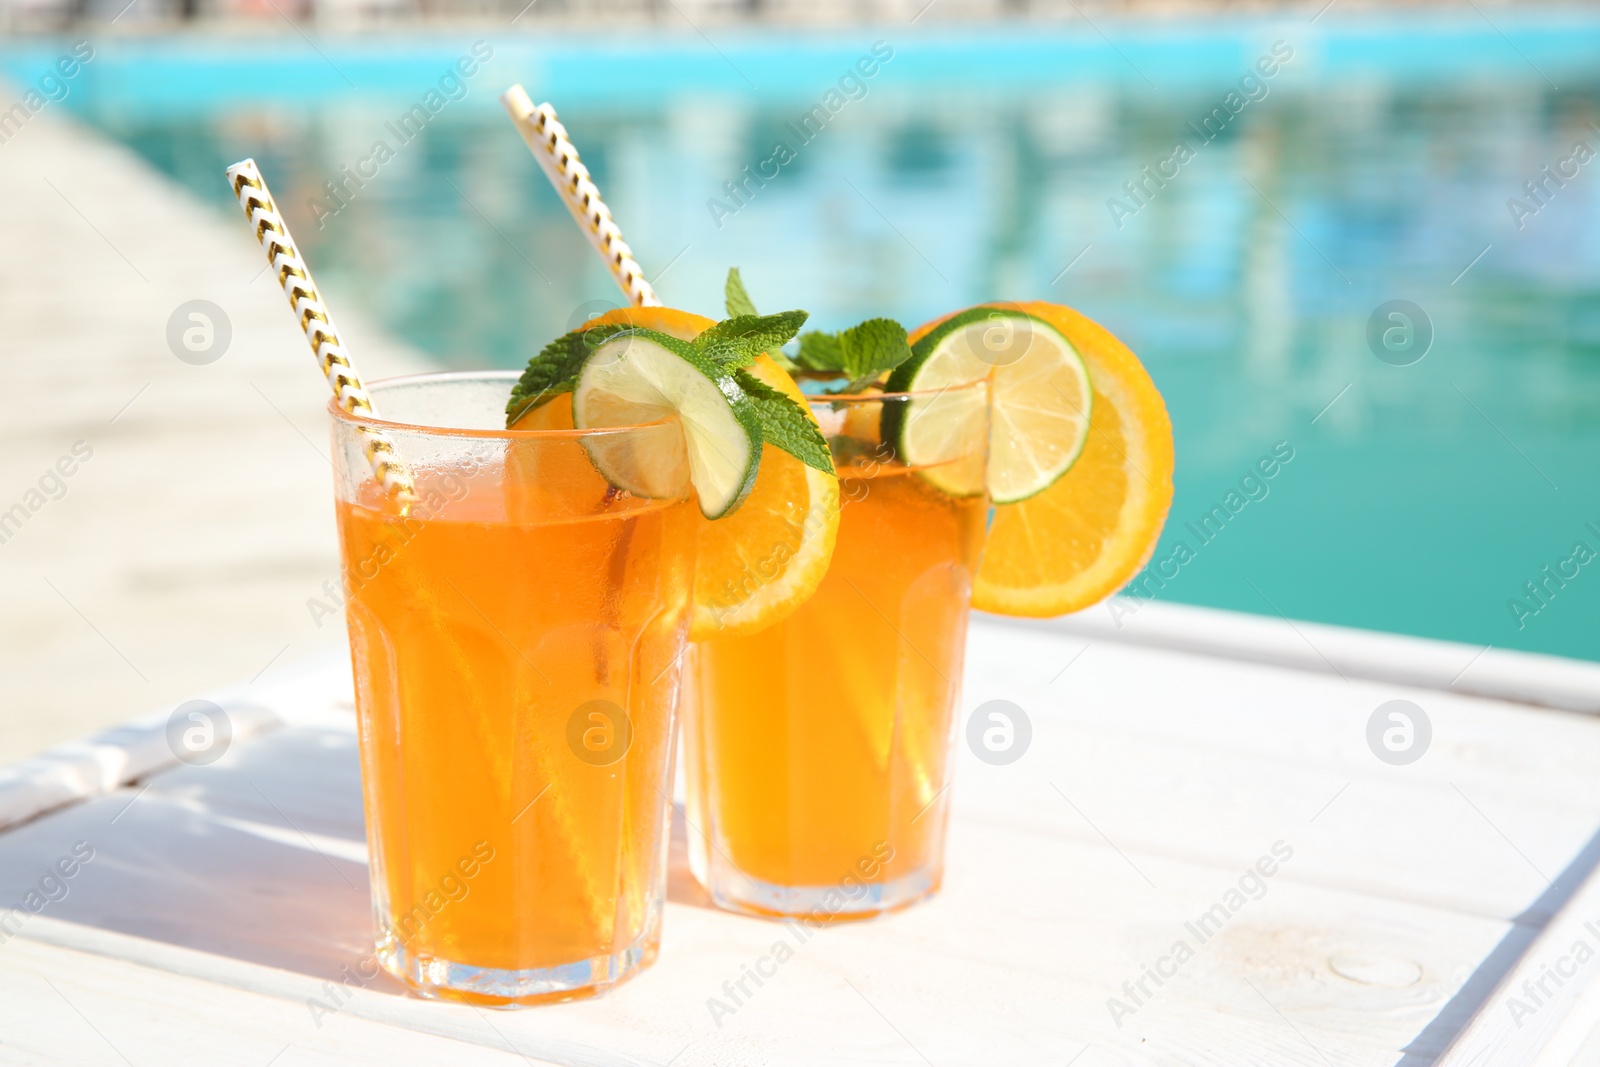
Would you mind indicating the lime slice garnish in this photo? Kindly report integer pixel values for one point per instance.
(1082, 538)
(638, 376)
(1039, 399)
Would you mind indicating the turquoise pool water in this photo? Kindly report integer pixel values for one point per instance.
(1379, 161)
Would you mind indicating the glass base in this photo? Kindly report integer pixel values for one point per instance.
(491, 987)
(733, 891)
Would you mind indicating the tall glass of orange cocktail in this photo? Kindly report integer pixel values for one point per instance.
(818, 750)
(516, 628)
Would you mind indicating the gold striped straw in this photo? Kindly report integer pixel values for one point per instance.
(295, 277)
(557, 157)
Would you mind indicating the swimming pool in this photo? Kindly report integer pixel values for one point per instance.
(1377, 161)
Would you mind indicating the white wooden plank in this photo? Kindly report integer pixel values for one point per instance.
(60, 1006)
(96, 765)
(1180, 755)
(1552, 681)
(1018, 959)
(983, 974)
(1546, 1010)
(316, 690)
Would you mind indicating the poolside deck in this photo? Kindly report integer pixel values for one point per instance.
(181, 552)
(1173, 753)
(224, 918)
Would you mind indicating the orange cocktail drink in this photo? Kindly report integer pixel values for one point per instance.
(818, 750)
(516, 632)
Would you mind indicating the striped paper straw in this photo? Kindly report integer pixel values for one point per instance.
(547, 138)
(295, 277)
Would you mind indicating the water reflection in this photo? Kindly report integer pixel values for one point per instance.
(1422, 498)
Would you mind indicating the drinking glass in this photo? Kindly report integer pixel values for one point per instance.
(516, 631)
(818, 751)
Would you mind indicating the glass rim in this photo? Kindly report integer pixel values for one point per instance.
(424, 377)
(910, 394)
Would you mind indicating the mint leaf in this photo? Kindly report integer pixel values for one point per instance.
(554, 370)
(734, 294)
(738, 302)
(736, 342)
(729, 353)
(820, 351)
(873, 347)
(862, 353)
(767, 331)
(786, 424)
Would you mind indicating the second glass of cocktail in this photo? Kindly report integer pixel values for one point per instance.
(818, 750)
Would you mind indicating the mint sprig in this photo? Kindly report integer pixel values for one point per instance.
(820, 352)
(735, 297)
(862, 353)
(555, 370)
(731, 345)
(785, 424)
(737, 300)
(736, 342)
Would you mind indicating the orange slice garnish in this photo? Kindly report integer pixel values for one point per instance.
(1084, 536)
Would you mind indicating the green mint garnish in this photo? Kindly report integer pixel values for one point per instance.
(736, 342)
(862, 353)
(738, 302)
(554, 370)
(785, 424)
(731, 345)
(737, 299)
(820, 352)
